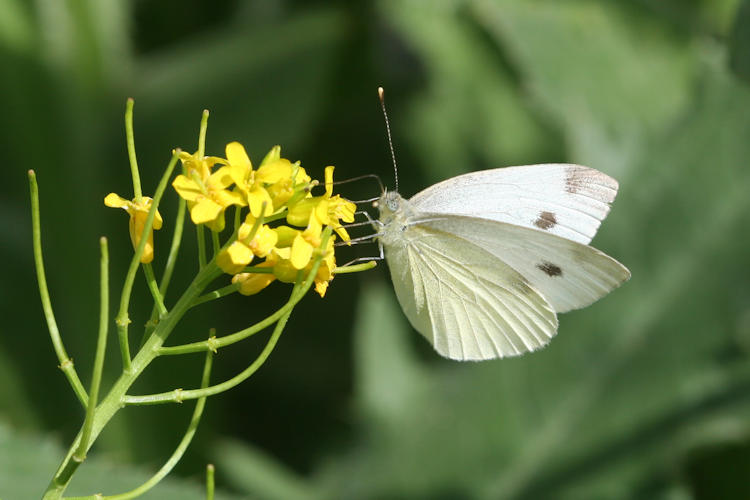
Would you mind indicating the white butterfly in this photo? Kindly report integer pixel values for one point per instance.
(483, 262)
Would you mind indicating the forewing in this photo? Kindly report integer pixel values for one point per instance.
(468, 303)
(568, 274)
(563, 199)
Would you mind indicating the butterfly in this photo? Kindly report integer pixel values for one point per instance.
(483, 262)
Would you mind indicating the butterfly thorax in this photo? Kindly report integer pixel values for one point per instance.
(395, 212)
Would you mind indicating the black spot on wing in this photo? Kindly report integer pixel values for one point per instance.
(546, 220)
(550, 269)
(575, 180)
(591, 183)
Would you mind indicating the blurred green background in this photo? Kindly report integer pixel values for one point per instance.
(643, 395)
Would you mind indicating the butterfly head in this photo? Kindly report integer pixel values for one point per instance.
(389, 203)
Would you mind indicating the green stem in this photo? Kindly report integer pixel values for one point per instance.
(217, 294)
(201, 246)
(66, 364)
(148, 270)
(176, 455)
(210, 469)
(213, 344)
(274, 217)
(131, 150)
(202, 134)
(174, 250)
(179, 395)
(215, 241)
(112, 403)
(122, 320)
(216, 343)
(258, 270)
(101, 347)
(237, 218)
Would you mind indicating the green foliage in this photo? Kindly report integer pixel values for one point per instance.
(25, 462)
(739, 45)
(644, 395)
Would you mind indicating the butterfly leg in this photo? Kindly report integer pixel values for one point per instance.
(362, 259)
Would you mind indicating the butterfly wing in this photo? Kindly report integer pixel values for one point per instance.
(563, 199)
(468, 303)
(568, 274)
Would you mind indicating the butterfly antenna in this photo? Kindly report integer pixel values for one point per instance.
(381, 96)
(359, 178)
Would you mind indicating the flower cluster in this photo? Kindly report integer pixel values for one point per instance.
(277, 189)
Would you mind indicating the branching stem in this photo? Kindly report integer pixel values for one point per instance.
(66, 364)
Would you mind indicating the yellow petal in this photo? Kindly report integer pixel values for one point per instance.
(321, 212)
(210, 161)
(205, 210)
(280, 192)
(187, 188)
(283, 253)
(255, 198)
(300, 177)
(221, 179)
(252, 283)
(274, 172)
(237, 155)
(116, 201)
(340, 208)
(312, 232)
(226, 198)
(136, 225)
(343, 234)
(239, 163)
(145, 207)
(329, 181)
(301, 252)
(321, 287)
(158, 221)
(233, 259)
(264, 241)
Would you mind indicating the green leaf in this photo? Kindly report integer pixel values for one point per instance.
(610, 79)
(255, 473)
(27, 463)
(388, 376)
(472, 111)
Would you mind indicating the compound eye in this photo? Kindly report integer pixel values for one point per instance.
(392, 204)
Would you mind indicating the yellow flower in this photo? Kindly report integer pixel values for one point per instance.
(248, 244)
(327, 210)
(325, 271)
(207, 195)
(200, 165)
(254, 183)
(289, 187)
(138, 211)
(234, 258)
(285, 269)
(295, 247)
